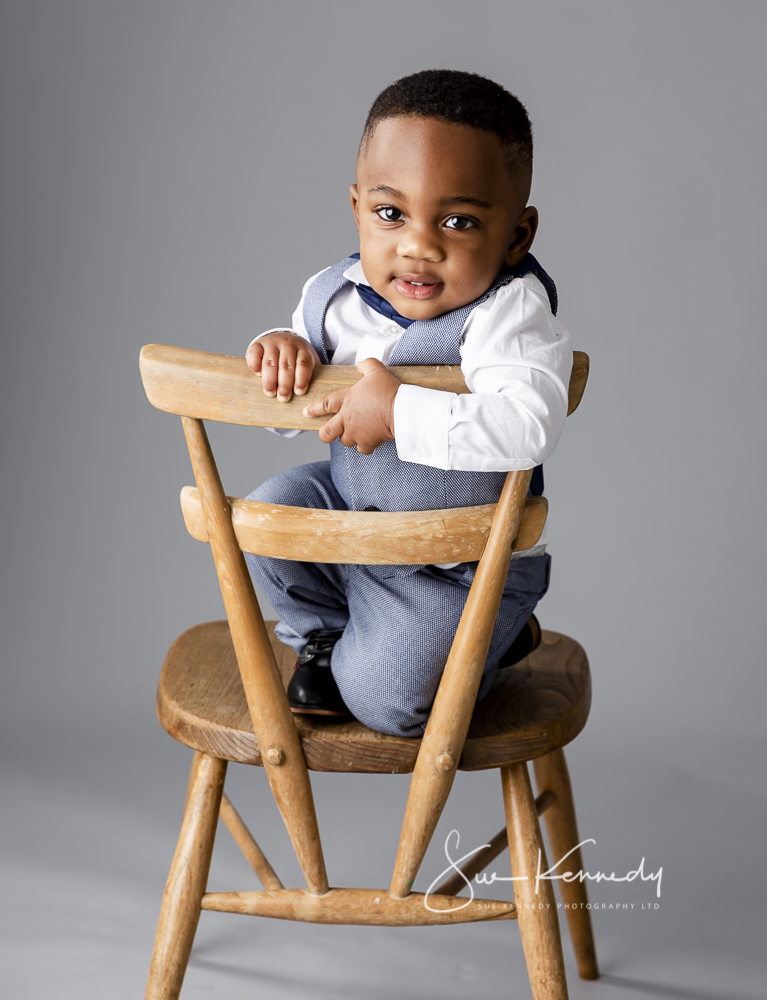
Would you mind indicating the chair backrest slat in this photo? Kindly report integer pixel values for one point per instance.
(362, 538)
(218, 387)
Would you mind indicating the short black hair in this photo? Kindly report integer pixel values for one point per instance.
(463, 99)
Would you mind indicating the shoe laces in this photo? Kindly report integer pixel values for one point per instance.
(319, 642)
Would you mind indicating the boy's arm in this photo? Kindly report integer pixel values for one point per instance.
(516, 359)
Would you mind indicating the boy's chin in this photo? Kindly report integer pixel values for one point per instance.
(424, 311)
(415, 314)
(415, 310)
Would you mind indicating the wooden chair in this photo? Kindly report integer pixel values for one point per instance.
(222, 693)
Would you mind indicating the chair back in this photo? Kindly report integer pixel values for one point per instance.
(198, 386)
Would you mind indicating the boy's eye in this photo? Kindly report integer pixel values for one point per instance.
(459, 222)
(389, 214)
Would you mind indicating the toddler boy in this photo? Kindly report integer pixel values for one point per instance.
(443, 276)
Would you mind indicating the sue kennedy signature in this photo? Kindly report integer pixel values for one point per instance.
(549, 875)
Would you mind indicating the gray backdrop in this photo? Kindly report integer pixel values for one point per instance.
(172, 172)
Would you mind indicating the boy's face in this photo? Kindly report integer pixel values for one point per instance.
(438, 214)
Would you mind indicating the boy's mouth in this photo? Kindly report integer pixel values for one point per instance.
(417, 286)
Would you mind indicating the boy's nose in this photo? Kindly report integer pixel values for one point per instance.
(420, 243)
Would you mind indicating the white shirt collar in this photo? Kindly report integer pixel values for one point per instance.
(356, 274)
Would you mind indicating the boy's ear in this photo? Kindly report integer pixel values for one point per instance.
(354, 197)
(524, 234)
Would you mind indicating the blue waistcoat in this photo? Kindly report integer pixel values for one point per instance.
(382, 480)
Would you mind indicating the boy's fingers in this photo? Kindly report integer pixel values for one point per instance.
(253, 356)
(304, 368)
(332, 429)
(285, 363)
(330, 404)
(286, 373)
(369, 365)
(269, 366)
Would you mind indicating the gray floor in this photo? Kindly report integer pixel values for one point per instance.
(89, 838)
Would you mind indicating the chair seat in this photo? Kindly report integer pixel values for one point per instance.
(534, 708)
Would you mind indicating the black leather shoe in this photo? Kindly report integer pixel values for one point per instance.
(312, 689)
(527, 640)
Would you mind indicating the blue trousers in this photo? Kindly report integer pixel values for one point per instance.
(398, 622)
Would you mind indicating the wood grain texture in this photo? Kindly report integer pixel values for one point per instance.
(368, 907)
(219, 387)
(361, 537)
(535, 902)
(180, 910)
(542, 700)
(534, 707)
(267, 703)
(551, 776)
(449, 719)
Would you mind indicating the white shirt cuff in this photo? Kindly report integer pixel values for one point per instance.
(421, 423)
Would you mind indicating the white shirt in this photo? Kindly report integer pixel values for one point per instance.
(516, 359)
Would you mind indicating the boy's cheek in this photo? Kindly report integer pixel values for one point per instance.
(377, 258)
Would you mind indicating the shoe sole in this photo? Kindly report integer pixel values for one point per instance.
(320, 711)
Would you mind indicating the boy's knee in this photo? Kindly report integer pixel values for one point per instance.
(389, 719)
(305, 486)
(274, 490)
(375, 705)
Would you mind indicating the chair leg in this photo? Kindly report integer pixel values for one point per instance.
(551, 775)
(537, 912)
(188, 877)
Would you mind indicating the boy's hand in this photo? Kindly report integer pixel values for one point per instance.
(285, 363)
(364, 413)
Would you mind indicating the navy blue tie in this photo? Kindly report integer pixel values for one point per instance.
(379, 304)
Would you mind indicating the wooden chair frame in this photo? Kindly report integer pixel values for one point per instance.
(198, 386)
